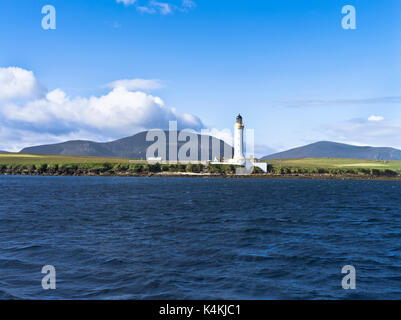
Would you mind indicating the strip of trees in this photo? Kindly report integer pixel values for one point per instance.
(107, 168)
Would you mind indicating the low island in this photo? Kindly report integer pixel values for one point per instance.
(320, 168)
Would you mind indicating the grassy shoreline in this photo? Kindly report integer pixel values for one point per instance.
(322, 168)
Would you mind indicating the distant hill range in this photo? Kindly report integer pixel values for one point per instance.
(133, 147)
(327, 149)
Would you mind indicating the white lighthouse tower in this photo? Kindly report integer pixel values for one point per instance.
(239, 158)
(239, 140)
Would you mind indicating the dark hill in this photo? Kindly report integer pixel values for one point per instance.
(327, 149)
(133, 147)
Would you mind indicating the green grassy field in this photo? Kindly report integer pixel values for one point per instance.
(334, 166)
(337, 163)
(17, 158)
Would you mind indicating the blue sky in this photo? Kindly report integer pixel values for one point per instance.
(287, 66)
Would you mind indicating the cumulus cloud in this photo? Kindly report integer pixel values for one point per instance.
(136, 84)
(17, 83)
(120, 112)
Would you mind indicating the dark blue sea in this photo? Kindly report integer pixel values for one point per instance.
(195, 238)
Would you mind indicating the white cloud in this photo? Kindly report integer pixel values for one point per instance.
(156, 7)
(136, 84)
(119, 112)
(341, 102)
(126, 2)
(381, 133)
(56, 116)
(144, 9)
(18, 83)
(163, 8)
(375, 118)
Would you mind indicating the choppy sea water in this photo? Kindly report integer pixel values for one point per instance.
(192, 238)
